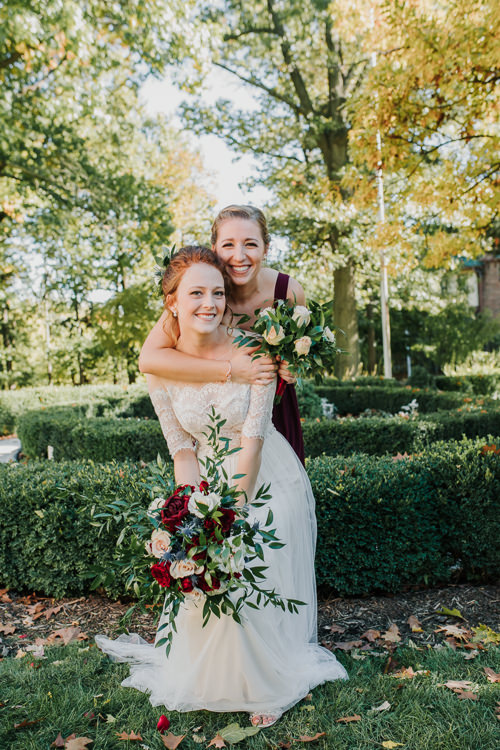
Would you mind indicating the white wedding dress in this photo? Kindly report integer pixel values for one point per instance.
(273, 659)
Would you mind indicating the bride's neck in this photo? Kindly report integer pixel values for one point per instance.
(205, 346)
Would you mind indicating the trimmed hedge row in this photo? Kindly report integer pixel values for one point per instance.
(354, 399)
(74, 436)
(379, 435)
(382, 524)
(479, 385)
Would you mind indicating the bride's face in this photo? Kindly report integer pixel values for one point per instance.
(200, 300)
(241, 248)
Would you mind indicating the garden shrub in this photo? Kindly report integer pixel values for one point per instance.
(382, 524)
(309, 401)
(478, 385)
(379, 435)
(355, 399)
(7, 417)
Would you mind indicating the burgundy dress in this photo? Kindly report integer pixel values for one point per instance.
(286, 417)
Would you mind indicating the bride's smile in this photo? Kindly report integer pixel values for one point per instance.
(200, 300)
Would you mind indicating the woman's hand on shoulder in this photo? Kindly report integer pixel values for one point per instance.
(258, 371)
(295, 293)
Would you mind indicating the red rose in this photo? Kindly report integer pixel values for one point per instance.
(227, 519)
(204, 486)
(186, 584)
(163, 723)
(174, 510)
(209, 525)
(161, 573)
(204, 586)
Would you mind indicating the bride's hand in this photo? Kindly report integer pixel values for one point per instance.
(258, 371)
(284, 372)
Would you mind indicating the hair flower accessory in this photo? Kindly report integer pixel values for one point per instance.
(161, 266)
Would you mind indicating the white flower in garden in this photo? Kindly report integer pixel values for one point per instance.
(302, 346)
(301, 315)
(265, 312)
(272, 337)
(328, 335)
(211, 500)
(183, 568)
(159, 543)
(157, 503)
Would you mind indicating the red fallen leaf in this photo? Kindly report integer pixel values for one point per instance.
(217, 741)
(26, 723)
(172, 741)
(24, 635)
(163, 723)
(348, 645)
(491, 675)
(371, 635)
(306, 738)
(347, 719)
(78, 743)
(131, 736)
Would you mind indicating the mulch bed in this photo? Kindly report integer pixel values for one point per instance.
(341, 621)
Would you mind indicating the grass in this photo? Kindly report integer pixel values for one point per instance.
(76, 680)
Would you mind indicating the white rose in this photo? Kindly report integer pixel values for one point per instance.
(211, 500)
(301, 315)
(235, 564)
(183, 568)
(159, 543)
(265, 312)
(328, 335)
(195, 596)
(157, 503)
(302, 345)
(274, 338)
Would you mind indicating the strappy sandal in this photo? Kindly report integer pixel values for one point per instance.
(257, 720)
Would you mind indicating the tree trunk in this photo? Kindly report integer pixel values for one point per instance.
(372, 351)
(345, 317)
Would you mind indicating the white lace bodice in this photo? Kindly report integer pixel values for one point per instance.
(183, 412)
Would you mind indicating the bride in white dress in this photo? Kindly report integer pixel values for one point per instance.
(272, 660)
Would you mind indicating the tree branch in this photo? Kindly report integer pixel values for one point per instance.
(250, 30)
(14, 57)
(258, 84)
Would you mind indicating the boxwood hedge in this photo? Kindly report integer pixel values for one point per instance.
(350, 398)
(382, 524)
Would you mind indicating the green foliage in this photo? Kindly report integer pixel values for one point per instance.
(309, 401)
(47, 538)
(478, 385)
(379, 435)
(385, 523)
(381, 523)
(351, 398)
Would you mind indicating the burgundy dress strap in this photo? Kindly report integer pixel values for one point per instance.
(281, 286)
(286, 417)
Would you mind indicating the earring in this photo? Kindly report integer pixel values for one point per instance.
(174, 313)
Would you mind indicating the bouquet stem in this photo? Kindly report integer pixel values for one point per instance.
(280, 390)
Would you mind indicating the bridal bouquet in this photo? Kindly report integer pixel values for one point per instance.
(297, 334)
(208, 550)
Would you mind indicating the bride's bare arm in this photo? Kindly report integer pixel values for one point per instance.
(158, 357)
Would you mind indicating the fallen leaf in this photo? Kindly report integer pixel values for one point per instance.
(79, 743)
(348, 645)
(233, 733)
(455, 631)
(171, 740)
(110, 719)
(347, 719)
(7, 629)
(336, 628)
(389, 744)
(67, 635)
(392, 634)
(131, 736)
(385, 706)
(414, 624)
(458, 684)
(217, 741)
(485, 634)
(406, 673)
(51, 611)
(59, 741)
(467, 695)
(371, 635)
(450, 612)
(306, 738)
(491, 675)
(26, 723)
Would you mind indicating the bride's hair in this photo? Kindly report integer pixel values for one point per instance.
(177, 266)
(241, 212)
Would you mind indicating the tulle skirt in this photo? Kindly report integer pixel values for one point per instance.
(273, 659)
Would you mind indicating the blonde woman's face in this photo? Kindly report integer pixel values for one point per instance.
(241, 248)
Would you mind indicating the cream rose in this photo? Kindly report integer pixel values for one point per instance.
(302, 346)
(274, 338)
(159, 543)
(195, 596)
(183, 568)
(328, 335)
(157, 503)
(265, 312)
(301, 315)
(211, 500)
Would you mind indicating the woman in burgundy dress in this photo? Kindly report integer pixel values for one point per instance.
(241, 239)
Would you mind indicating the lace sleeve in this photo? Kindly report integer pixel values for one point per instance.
(260, 410)
(176, 436)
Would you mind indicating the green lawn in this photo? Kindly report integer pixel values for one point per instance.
(76, 680)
